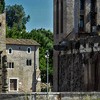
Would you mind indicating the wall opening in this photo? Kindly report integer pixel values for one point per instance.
(81, 20)
(81, 24)
(57, 17)
(13, 84)
(61, 25)
(93, 14)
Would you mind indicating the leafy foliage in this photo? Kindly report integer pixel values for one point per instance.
(45, 38)
(16, 21)
(16, 17)
(42, 36)
(2, 6)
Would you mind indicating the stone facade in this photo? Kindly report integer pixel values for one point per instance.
(79, 66)
(3, 71)
(2, 32)
(79, 23)
(23, 67)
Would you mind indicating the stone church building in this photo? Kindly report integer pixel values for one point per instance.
(76, 45)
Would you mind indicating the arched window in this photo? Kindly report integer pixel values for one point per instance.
(29, 50)
(10, 51)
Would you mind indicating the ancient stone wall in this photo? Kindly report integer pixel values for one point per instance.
(79, 70)
(68, 25)
(3, 71)
(2, 32)
(71, 73)
(71, 21)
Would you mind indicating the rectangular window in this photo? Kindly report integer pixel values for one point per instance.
(57, 17)
(93, 13)
(10, 64)
(93, 5)
(81, 21)
(13, 85)
(82, 4)
(28, 62)
(61, 26)
(0, 24)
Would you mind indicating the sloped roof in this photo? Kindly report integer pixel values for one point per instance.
(21, 42)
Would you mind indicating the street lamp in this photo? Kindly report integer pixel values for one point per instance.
(47, 61)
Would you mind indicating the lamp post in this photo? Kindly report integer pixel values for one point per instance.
(47, 61)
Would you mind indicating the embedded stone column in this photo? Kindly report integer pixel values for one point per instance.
(4, 74)
(0, 73)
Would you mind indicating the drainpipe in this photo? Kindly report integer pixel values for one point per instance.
(34, 75)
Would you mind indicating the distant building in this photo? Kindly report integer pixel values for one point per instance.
(22, 65)
(19, 63)
(76, 45)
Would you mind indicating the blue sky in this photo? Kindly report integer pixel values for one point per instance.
(40, 11)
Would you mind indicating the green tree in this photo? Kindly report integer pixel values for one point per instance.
(2, 6)
(45, 39)
(15, 16)
(16, 20)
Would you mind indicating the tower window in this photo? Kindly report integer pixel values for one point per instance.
(81, 21)
(61, 16)
(93, 14)
(82, 4)
(93, 4)
(57, 17)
